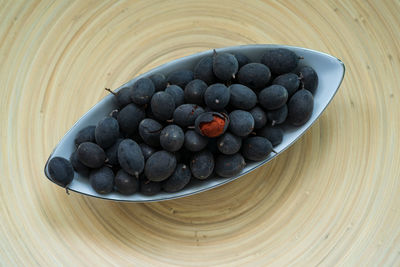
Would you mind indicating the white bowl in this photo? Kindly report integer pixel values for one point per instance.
(330, 72)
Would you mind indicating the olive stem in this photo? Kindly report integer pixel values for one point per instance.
(109, 90)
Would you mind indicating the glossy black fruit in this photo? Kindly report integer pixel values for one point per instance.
(102, 180)
(160, 166)
(180, 77)
(254, 75)
(278, 116)
(273, 97)
(194, 141)
(300, 107)
(142, 91)
(125, 183)
(225, 66)
(78, 166)
(280, 60)
(229, 143)
(242, 97)
(123, 96)
(259, 116)
(273, 134)
(194, 92)
(91, 155)
(147, 150)
(186, 114)
(162, 106)
(242, 59)
(178, 180)
(177, 93)
(241, 122)
(85, 135)
(290, 81)
(229, 165)
(309, 78)
(107, 132)
(129, 118)
(130, 157)
(149, 131)
(217, 96)
(202, 164)
(256, 148)
(204, 70)
(112, 153)
(149, 188)
(159, 81)
(172, 138)
(211, 124)
(60, 171)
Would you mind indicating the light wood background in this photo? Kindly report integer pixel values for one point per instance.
(331, 199)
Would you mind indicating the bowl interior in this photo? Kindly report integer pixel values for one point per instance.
(330, 72)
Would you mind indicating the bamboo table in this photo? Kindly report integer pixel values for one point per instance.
(332, 198)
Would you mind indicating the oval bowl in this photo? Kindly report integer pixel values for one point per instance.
(330, 72)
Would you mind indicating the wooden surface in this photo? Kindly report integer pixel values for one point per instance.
(331, 199)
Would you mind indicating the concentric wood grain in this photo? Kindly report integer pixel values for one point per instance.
(331, 199)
